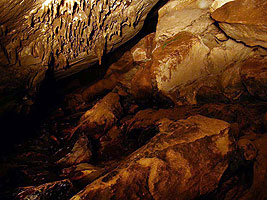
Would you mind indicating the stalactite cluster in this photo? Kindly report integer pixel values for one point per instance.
(69, 30)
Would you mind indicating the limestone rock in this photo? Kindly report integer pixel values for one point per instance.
(49, 191)
(167, 167)
(79, 153)
(83, 173)
(217, 4)
(64, 36)
(244, 21)
(178, 62)
(102, 116)
(142, 50)
(141, 84)
(177, 16)
(254, 76)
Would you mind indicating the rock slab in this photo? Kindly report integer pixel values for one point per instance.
(186, 159)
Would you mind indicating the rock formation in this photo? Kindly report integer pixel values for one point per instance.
(62, 36)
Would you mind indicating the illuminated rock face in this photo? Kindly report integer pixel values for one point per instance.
(186, 159)
(244, 20)
(66, 33)
(179, 62)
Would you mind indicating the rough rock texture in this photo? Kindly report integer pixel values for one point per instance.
(167, 167)
(71, 32)
(180, 61)
(62, 36)
(216, 54)
(83, 173)
(177, 16)
(79, 153)
(53, 190)
(254, 76)
(244, 21)
(217, 4)
(102, 116)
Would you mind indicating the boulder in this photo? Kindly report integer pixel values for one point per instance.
(254, 76)
(244, 20)
(141, 52)
(141, 84)
(185, 160)
(103, 116)
(83, 173)
(178, 62)
(79, 153)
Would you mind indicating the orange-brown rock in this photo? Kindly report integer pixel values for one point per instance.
(141, 84)
(244, 21)
(103, 116)
(178, 16)
(142, 50)
(185, 160)
(80, 153)
(254, 76)
(178, 62)
(217, 4)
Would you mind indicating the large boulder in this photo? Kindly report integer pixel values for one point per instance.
(211, 53)
(72, 33)
(177, 16)
(178, 62)
(186, 159)
(244, 20)
(259, 183)
(103, 116)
